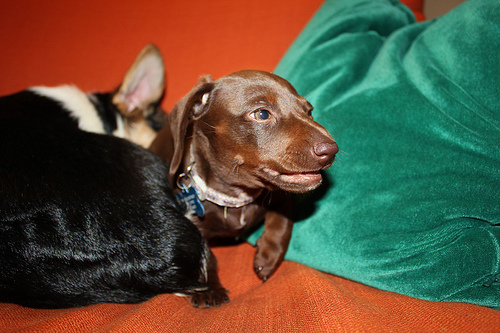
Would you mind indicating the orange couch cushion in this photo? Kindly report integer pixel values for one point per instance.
(92, 43)
(296, 299)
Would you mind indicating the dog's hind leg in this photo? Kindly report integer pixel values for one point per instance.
(216, 294)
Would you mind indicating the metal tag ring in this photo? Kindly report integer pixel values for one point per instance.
(184, 176)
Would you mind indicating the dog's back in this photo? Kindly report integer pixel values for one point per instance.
(85, 217)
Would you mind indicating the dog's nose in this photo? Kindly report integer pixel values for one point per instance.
(325, 151)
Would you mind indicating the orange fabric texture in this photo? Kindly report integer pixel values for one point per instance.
(296, 299)
(417, 7)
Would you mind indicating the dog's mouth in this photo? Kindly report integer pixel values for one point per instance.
(296, 181)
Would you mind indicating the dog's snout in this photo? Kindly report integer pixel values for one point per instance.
(325, 151)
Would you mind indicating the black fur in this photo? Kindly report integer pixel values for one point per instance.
(106, 110)
(86, 218)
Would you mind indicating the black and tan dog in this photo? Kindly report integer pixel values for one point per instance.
(236, 145)
(130, 112)
(87, 217)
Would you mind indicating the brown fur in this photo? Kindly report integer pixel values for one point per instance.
(217, 126)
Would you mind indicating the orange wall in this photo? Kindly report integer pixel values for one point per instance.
(92, 43)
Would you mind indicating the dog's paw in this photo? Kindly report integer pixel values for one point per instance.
(265, 264)
(209, 298)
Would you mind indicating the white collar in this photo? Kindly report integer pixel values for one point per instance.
(216, 197)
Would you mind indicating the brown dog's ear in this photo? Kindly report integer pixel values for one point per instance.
(190, 107)
(143, 85)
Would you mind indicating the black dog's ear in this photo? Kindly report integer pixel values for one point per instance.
(143, 85)
(190, 107)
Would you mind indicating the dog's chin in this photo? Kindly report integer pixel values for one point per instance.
(297, 182)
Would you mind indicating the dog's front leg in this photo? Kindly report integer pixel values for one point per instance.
(273, 244)
(216, 294)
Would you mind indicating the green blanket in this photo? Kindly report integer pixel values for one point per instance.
(412, 202)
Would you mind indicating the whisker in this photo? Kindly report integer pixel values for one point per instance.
(236, 169)
(192, 135)
(208, 124)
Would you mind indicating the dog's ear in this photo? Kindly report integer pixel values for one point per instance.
(190, 107)
(143, 85)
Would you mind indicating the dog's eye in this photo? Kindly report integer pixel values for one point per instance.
(261, 115)
(309, 113)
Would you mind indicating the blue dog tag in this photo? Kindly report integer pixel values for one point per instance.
(189, 195)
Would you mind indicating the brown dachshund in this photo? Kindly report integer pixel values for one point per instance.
(235, 145)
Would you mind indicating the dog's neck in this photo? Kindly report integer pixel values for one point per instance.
(207, 191)
(217, 197)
